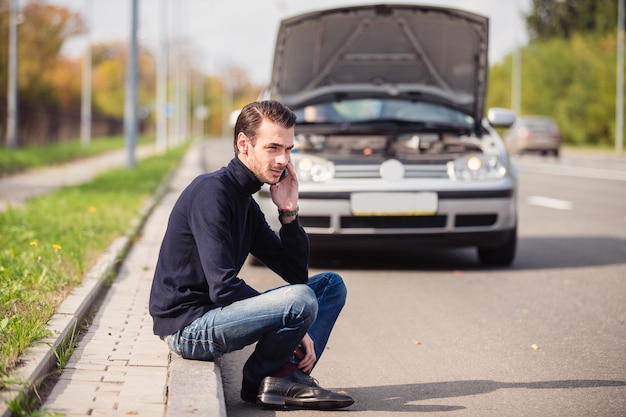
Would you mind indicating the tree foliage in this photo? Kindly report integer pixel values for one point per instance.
(42, 30)
(571, 80)
(568, 69)
(240, 89)
(549, 19)
(109, 62)
(48, 78)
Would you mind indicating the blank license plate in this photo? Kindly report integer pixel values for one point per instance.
(394, 204)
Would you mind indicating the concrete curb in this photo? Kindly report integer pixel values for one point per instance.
(187, 397)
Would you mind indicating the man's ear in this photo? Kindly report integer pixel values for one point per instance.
(242, 143)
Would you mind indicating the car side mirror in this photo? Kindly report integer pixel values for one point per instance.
(499, 117)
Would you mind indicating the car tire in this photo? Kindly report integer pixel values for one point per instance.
(502, 255)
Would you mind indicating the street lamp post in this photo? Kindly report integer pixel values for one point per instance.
(85, 109)
(12, 111)
(619, 105)
(130, 107)
(516, 96)
(162, 73)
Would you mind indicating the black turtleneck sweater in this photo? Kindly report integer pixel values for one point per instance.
(213, 227)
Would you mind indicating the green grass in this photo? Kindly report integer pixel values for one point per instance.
(49, 244)
(15, 160)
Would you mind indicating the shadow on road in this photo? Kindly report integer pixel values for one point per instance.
(532, 253)
(379, 398)
(400, 398)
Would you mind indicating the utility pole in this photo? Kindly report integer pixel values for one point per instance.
(85, 108)
(516, 72)
(176, 95)
(516, 96)
(227, 103)
(12, 111)
(130, 105)
(161, 88)
(619, 93)
(200, 110)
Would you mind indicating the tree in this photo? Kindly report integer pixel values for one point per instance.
(42, 31)
(563, 18)
(243, 92)
(571, 80)
(47, 78)
(109, 78)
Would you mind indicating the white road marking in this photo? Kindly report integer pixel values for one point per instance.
(550, 202)
(574, 171)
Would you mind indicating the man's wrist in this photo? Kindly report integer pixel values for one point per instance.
(288, 213)
(287, 216)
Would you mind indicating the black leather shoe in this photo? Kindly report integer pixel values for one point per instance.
(299, 390)
(249, 391)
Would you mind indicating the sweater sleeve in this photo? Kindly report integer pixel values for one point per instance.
(287, 253)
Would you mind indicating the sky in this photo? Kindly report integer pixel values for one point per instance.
(223, 33)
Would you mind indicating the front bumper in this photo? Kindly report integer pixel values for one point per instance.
(481, 218)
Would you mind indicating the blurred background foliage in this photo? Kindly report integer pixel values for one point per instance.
(568, 69)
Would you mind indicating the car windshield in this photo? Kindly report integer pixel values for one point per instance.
(372, 110)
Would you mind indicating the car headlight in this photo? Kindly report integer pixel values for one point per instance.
(476, 167)
(313, 168)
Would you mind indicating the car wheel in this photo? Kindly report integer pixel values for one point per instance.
(555, 153)
(502, 255)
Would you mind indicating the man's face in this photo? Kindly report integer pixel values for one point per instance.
(269, 155)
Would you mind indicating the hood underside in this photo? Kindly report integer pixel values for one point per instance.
(406, 51)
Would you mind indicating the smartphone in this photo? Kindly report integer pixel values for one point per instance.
(284, 174)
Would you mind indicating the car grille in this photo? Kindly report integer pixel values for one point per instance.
(401, 222)
(373, 171)
(474, 220)
(315, 221)
(392, 222)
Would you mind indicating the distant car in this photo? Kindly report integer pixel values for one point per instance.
(391, 147)
(533, 134)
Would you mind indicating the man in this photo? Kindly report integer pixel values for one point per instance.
(203, 309)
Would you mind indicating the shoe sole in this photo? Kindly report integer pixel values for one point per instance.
(279, 401)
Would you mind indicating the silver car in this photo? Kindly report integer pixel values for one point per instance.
(533, 134)
(391, 146)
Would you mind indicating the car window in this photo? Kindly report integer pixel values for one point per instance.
(363, 110)
(538, 124)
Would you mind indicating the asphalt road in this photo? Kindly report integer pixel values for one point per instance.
(436, 333)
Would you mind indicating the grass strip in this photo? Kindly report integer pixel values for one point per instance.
(48, 245)
(20, 159)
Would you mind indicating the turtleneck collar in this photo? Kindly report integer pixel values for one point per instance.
(243, 176)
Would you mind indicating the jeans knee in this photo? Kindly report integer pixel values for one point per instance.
(302, 302)
(337, 287)
(339, 284)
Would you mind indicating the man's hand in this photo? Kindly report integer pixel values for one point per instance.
(285, 193)
(307, 358)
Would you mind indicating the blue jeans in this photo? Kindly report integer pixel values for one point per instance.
(276, 320)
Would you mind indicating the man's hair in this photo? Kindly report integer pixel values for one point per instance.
(253, 114)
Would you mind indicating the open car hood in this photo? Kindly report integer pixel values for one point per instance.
(424, 53)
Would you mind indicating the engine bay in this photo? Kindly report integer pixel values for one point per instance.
(406, 147)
